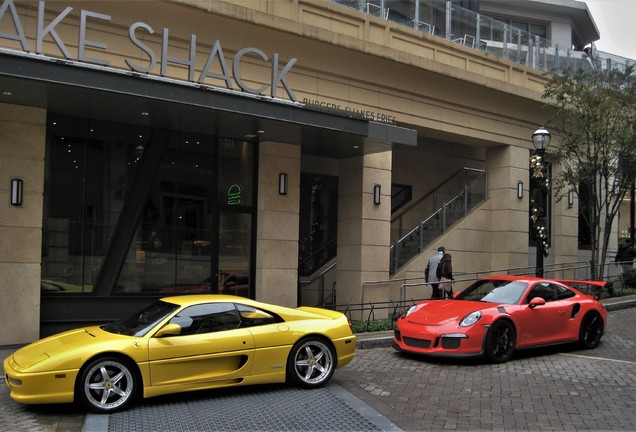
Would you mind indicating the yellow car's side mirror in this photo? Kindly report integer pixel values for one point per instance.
(169, 330)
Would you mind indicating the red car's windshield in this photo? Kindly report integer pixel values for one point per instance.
(494, 291)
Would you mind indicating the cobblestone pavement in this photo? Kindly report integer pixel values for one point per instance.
(555, 389)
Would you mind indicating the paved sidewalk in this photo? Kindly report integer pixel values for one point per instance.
(203, 411)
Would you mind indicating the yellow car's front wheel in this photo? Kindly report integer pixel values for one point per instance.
(311, 362)
(106, 385)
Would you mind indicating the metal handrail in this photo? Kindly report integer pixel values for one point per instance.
(434, 190)
(321, 274)
(518, 271)
(441, 212)
(329, 243)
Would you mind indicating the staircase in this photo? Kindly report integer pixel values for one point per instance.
(413, 229)
(442, 207)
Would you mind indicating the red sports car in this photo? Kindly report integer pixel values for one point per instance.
(497, 315)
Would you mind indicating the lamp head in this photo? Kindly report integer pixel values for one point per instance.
(541, 139)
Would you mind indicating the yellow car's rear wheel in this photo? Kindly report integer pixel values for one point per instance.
(311, 362)
(106, 385)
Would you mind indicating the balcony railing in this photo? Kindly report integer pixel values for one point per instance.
(476, 31)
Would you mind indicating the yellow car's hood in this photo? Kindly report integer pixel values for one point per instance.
(62, 345)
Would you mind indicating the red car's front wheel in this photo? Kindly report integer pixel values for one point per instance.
(500, 342)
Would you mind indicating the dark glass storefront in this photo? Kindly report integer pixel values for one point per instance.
(128, 213)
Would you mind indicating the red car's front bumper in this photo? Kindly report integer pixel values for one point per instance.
(439, 340)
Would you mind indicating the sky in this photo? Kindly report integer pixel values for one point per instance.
(615, 22)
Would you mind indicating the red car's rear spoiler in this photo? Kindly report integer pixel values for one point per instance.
(591, 288)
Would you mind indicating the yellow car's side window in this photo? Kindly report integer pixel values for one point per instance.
(207, 318)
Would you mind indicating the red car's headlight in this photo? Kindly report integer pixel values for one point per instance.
(412, 309)
(470, 319)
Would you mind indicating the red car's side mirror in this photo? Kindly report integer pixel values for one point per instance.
(537, 301)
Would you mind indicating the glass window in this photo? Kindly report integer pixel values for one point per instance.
(520, 25)
(139, 323)
(547, 291)
(251, 317)
(206, 318)
(563, 293)
(539, 30)
(318, 221)
(495, 291)
(235, 253)
(181, 242)
(172, 248)
(86, 178)
(235, 172)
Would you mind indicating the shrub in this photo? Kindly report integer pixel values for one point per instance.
(371, 326)
(629, 278)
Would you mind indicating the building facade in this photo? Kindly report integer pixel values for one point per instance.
(185, 146)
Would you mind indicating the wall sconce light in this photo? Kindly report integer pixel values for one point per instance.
(282, 184)
(519, 189)
(16, 192)
(376, 194)
(570, 198)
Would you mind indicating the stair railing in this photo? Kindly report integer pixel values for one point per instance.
(472, 187)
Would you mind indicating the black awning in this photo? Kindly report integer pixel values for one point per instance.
(79, 89)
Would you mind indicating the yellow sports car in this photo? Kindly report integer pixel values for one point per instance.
(178, 344)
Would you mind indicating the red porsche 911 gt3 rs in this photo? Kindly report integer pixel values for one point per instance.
(497, 315)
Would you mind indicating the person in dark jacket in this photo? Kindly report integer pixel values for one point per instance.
(625, 255)
(445, 276)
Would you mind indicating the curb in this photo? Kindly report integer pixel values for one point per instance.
(378, 342)
(618, 305)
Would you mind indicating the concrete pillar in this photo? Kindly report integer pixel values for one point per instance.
(22, 142)
(363, 228)
(277, 225)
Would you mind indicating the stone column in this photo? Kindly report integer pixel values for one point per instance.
(363, 228)
(22, 141)
(277, 225)
(506, 166)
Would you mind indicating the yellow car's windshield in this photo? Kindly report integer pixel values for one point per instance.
(139, 323)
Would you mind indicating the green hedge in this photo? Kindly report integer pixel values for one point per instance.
(371, 326)
(629, 278)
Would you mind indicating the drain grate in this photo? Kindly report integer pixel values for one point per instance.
(254, 408)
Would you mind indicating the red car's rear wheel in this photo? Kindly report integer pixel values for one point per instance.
(591, 330)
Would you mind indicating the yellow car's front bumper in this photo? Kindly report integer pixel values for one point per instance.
(38, 388)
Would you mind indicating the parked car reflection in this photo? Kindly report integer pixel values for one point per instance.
(234, 282)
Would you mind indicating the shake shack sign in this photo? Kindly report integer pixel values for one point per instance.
(216, 68)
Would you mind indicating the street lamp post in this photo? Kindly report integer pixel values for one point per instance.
(539, 196)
